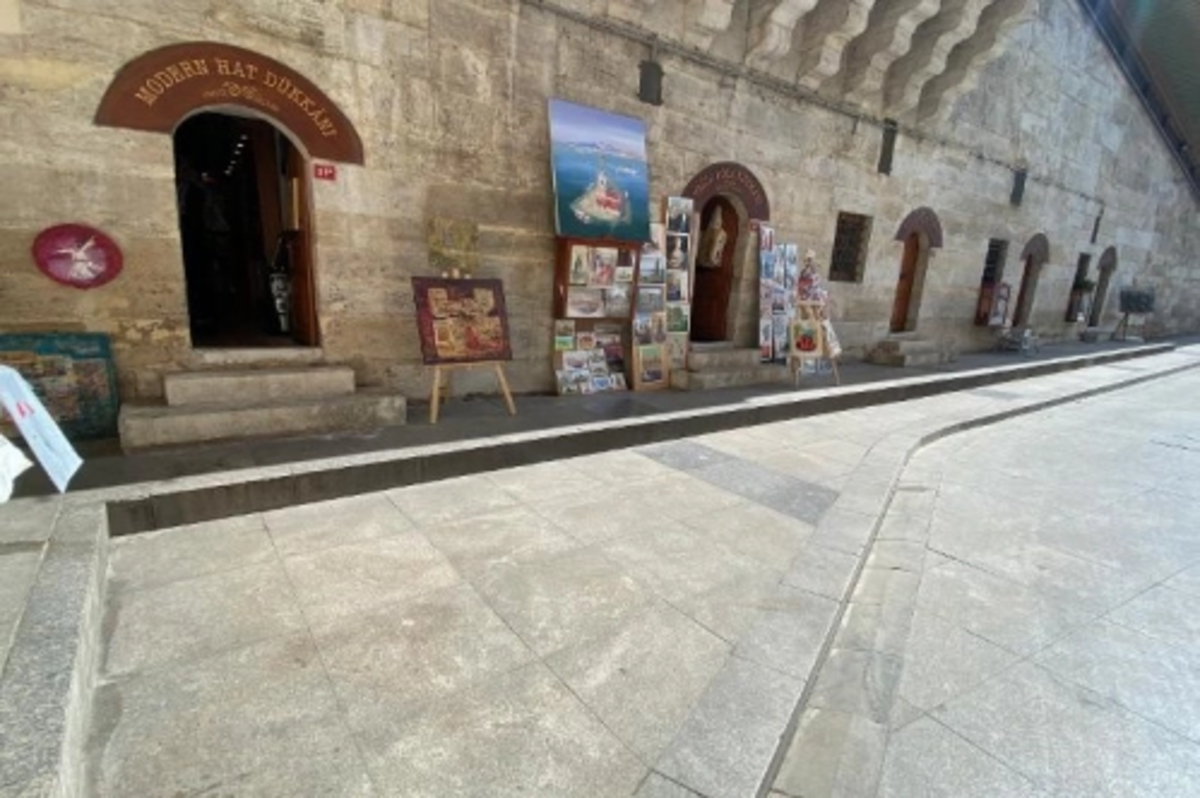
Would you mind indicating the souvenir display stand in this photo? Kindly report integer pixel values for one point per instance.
(595, 289)
(810, 342)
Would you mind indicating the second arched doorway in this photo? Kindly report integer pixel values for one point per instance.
(921, 232)
(727, 197)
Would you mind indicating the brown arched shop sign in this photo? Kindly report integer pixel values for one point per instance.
(730, 178)
(160, 88)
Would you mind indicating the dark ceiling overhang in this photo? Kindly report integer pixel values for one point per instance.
(1157, 43)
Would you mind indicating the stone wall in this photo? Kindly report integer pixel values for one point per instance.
(450, 100)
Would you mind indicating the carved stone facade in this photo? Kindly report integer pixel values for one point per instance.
(449, 98)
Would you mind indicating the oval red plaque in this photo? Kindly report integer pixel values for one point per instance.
(77, 255)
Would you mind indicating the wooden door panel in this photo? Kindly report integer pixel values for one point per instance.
(304, 300)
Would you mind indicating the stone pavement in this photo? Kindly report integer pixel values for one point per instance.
(1036, 635)
(644, 621)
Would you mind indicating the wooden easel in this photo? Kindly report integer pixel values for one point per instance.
(814, 314)
(441, 382)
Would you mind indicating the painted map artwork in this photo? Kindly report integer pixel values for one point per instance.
(74, 376)
(461, 321)
(601, 174)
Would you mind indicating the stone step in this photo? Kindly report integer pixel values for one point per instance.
(707, 359)
(254, 387)
(905, 345)
(931, 358)
(154, 426)
(730, 378)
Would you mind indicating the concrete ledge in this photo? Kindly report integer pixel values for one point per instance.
(46, 685)
(258, 490)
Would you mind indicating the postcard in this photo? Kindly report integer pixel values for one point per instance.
(652, 270)
(651, 367)
(677, 285)
(618, 382)
(650, 299)
(677, 349)
(585, 303)
(624, 274)
(642, 332)
(585, 340)
(581, 265)
(616, 301)
(576, 360)
(677, 251)
(603, 267)
(679, 214)
(678, 314)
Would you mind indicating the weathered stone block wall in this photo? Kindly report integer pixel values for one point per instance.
(450, 100)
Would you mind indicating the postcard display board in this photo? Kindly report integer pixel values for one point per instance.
(779, 268)
(611, 270)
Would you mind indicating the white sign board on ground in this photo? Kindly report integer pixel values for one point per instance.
(12, 463)
(38, 428)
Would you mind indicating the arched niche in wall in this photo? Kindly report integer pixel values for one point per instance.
(1034, 255)
(724, 299)
(159, 89)
(1107, 265)
(921, 232)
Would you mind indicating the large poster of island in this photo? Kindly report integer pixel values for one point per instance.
(461, 321)
(73, 375)
(601, 177)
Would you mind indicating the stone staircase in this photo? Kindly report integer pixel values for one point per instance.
(906, 349)
(223, 404)
(721, 365)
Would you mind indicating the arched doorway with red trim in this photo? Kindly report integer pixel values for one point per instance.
(725, 292)
(921, 231)
(244, 128)
(1034, 256)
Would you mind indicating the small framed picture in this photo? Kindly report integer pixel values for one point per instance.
(585, 303)
(651, 299)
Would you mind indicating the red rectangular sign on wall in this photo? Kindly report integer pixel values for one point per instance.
(324, 171)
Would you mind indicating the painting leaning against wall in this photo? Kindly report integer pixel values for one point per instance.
(601, 175)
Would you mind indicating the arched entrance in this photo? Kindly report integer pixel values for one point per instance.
(244, 127)
(241, 192)
(727, 196)
(921, 231)
(1108, 265)
(1034, 256)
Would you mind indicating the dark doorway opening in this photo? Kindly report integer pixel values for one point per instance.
(243, 226)
(717, 238)
(1029, 280)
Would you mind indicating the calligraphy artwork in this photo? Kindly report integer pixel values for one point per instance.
(461, 321)
(73, 374)
(77, 255)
